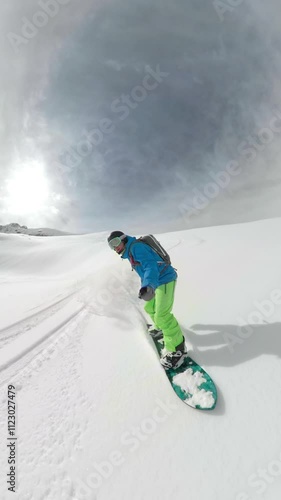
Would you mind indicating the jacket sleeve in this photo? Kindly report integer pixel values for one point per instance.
(145, 256)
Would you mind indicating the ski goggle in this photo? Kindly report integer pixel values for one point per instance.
(115, 242)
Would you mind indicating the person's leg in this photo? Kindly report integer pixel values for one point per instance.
(164, 318)
(150, 310)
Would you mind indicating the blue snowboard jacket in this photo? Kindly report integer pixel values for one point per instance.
(150, 267)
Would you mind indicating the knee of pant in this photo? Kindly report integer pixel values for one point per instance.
(160, 320)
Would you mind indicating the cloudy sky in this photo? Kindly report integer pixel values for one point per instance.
(120, 114)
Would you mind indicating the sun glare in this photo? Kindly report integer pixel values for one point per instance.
(27, 190)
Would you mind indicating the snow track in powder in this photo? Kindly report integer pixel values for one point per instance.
(29, 350)
(9, 333)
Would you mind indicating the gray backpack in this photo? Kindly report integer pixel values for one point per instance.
(153, 243)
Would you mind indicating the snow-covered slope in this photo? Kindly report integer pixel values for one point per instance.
(15, 228)
(96, 416)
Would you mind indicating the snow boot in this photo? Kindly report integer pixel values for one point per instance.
(155, 333)
(174, 359)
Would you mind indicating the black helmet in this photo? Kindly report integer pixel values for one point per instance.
(116, 235)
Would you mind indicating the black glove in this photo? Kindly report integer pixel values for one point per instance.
(146, 293)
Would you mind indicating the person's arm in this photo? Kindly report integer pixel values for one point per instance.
(144, 255)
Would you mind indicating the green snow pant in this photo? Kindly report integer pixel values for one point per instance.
(159, 309)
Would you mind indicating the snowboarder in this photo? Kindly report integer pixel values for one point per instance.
(158, 281)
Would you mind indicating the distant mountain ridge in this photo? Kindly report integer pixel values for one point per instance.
(16, 228)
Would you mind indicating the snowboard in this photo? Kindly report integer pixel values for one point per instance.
(190, 381)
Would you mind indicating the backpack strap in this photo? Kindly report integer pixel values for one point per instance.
(135, 263)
